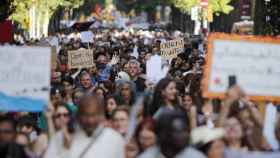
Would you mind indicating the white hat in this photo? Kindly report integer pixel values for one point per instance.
(123, 76)
(204, 135)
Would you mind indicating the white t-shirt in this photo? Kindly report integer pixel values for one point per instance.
(109, 144)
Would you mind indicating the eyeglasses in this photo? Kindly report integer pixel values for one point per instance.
(6, 131)
(59, 115)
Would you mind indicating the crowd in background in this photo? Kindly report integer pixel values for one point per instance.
(112, 110)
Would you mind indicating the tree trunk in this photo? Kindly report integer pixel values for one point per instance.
(259, 18)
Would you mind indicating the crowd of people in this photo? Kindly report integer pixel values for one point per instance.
(112, 110)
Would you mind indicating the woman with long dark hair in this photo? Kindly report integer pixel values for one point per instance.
(165, 96)
(126, 93)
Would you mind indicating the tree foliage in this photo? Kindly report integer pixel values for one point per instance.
(217, 6)
(43, 7)
(7, 7)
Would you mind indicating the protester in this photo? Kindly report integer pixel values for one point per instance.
(145, 134)
(7, 130)
(120, 118)
(113, 109)
(91, 139)
(172, 137)
(165, 96)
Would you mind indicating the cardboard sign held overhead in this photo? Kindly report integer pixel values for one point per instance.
(170, 49)
(82, 58)
(53, 57)
(254, 61)
(25, 78)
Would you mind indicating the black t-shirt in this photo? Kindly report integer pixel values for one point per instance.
(140, 84)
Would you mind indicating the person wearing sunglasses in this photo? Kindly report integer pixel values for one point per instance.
(58, 117)
(7, 130)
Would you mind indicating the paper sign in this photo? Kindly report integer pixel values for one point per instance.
(254, 61)
(53, 41)
(154, 69)
(87, 37)
(24, 78)
(270, 122)
(53, 57)
(82, 58)
(171, 49)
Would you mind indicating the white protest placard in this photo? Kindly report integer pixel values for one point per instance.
(254, 61)
(82, 58)
(270, 122)
(170, 49)
(87, 37)
(24, 78)
(154, 69)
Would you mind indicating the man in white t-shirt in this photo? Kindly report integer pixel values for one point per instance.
(91, 139)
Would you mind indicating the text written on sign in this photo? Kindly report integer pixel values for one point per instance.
(80, 59)
(171, 49)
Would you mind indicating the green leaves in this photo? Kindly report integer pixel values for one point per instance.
(21, 13)
(218, 6)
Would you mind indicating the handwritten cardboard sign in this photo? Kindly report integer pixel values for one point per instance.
(53, 57)
(82, 58)
(24, 78)
(171, 49)
(254, 61)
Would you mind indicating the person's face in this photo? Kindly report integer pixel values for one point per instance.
(147, 138)
(126, 91)
(126, 68)
(233, 129)
(22, 139)
(67, 87)
(178, 61)
(7, 133)
(90, 117)
(56, 77)
(187, 102)
(133, 70)
(196, 52)
(111, 105)
(170, 92)
(55, 98)
(77, 97)
(217, 149)
(61, 117)
(93, 70)
(148, 56)
(246, 119)
(86, 81)
(102, 59)
(131, 149)
(26, 129)
(100, 93)
(77, 45)
(120, 122)
(142, 55)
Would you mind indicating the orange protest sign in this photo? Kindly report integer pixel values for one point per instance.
(254, 61)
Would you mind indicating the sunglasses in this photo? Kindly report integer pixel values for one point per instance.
(59, 115)
(6, 131)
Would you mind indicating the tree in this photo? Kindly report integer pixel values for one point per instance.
(7, 7)
(44, 10)
(217, 6)
(267, 19)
